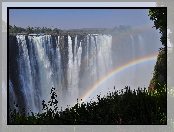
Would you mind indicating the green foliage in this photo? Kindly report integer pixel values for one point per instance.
(170, 53)
(116, 30)
(159, 16)
(120, 107)
(14, 29)
(121, 29)
(160, 72)
(29, 30)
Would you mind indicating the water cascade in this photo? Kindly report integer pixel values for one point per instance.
(71, 64)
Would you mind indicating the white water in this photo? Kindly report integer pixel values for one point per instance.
(73, 69)
(25, 73)
(142, 45)
(41, 68)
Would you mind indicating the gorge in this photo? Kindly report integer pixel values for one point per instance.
(74, 63)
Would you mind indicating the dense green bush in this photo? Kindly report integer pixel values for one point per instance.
(159, 16)
(120, 107)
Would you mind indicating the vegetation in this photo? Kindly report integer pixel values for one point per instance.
(170, 53)
(120, 107)
(29, 30)
(159, 16)
(116, 30)
(162, 20)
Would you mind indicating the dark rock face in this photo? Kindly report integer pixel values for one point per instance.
(14, 71)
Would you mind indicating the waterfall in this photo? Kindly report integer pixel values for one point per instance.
(73, 68)
(141, 44)
(133, 48)
(42, 64)
(92, 61)
(72, 65)
(25, 73)
(12, 95)
(133, 56)
(39, 69)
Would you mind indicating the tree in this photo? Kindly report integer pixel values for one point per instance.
(170, 53)
(159, 16)
(15, 29)
(170, 63)
(10, 28)
(56, 31)
(115, 30)
(29, 30)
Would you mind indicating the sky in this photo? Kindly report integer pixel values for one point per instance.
(75, 19)
(78, 18)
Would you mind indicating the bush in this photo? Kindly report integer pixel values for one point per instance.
(129, 107)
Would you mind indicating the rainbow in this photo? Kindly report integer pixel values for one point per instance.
(116, 71)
